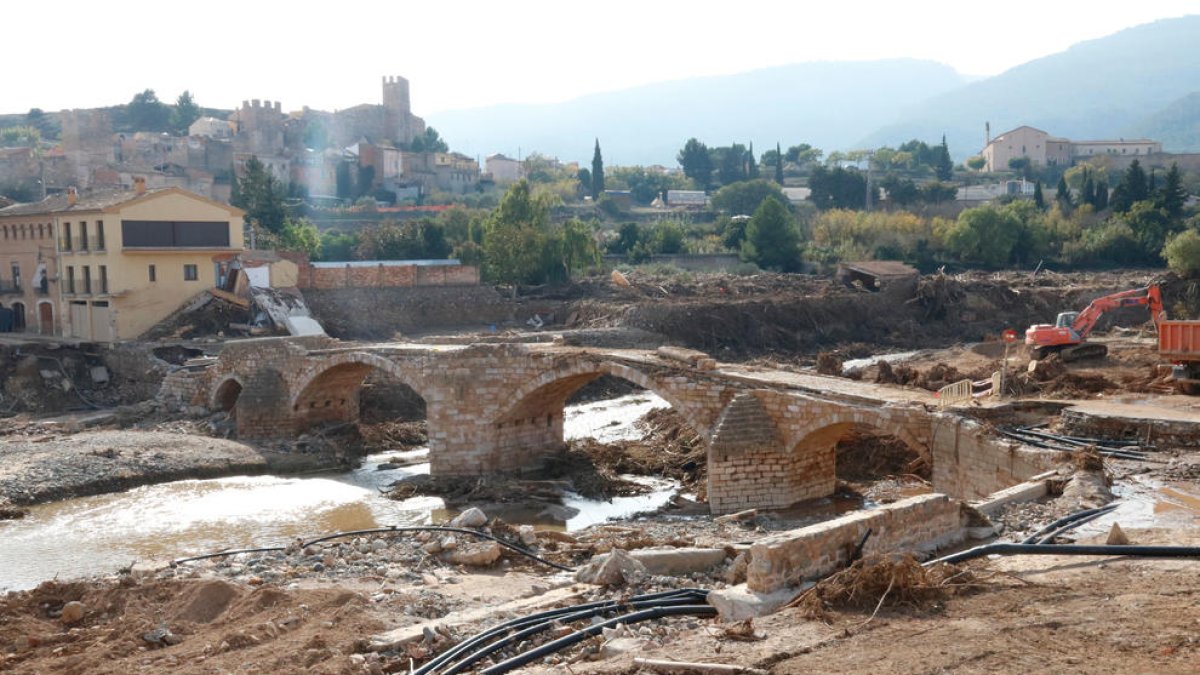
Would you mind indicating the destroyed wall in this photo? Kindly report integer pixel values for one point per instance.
(788, 558)
(378, 313)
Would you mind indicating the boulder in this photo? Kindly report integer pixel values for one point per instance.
(72, 612)
(474, 554)
(472, 517)
(614, 569)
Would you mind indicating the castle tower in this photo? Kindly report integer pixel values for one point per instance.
(395, 95)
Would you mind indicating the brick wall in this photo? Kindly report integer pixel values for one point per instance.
(386, 276)
(969, 462)
(915, 524)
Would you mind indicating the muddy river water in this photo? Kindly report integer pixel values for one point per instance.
(103, 533)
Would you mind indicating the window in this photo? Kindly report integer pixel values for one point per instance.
(169, 234)
(16, 270)
(153, 274)
(99, 235)
(86, 271)
(70, 278)
(104, 278)
(66, 236)
(83, 241)
(190, 273)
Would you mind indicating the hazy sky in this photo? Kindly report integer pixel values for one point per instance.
(468, 53)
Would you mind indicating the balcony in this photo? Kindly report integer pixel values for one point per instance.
(11, 288)
(78, 245)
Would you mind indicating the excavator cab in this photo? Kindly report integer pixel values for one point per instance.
(1066, 319)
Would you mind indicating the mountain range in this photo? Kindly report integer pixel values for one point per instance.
(1140, 82)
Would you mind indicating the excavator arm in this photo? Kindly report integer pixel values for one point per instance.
(1151, 296)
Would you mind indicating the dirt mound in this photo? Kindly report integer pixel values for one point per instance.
(867, 457)
(932, 378)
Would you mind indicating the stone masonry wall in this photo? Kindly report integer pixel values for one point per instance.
(971, 463)
(387, 276)
(919, 523)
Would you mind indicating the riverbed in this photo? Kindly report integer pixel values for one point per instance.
(100, 534)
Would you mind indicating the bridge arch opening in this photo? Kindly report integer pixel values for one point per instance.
(360, 388)
(533, 426)
(860, 460)
(226, 396)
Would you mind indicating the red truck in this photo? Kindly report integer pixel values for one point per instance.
(1179, 343)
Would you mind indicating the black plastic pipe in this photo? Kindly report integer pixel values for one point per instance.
(578, 636)
(520, 622)
(484, 652)
(384, 530)
(1069, 518)
(1078, 522)
(1008, 548)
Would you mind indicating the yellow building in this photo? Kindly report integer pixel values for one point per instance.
(28, 288)
(126, 260)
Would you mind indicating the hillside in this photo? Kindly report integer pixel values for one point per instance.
(1097, 89)
(1177, 125)
(826, 104)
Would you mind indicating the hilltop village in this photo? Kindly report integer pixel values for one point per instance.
(308, 391)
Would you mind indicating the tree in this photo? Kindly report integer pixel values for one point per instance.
(900, 191)
(260, 196)
(430, 141)
(744, 197)
(943, 165)
(1182, 252)
(597, 172)
(186, 111)
(36, 118)
(412, 240)
(803, 154)
(936, 193)
(344, 181)
(1151, 226)
(976, 163)
(1172, 196)
(1038, 198)
(585, 180)
(1021, 165)
(515, 237)
(751, 165)
(147, 113)
(778, 165)
(20, 137)
(628, 237)
(577, 249)
(837, 188)
(1102, 194)
(772, 240)
(984, 235)
(731, 163)
(696, 162)
(301, 236)
(1062, 194)
(1133, 187)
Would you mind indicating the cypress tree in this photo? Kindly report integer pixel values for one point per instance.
(778, 165)
(597, 172)
(1063, 194)
(1038, 198)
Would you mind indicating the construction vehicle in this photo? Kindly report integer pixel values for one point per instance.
(1179, 344)
(1068, 336)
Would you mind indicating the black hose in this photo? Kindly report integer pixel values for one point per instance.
(521, 622)
(385, 530)
(1033, 538)
(580, 635)
(1078, 522)
(534, 629)
(1008, 548)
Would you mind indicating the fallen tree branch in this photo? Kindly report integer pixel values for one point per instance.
(663, 666)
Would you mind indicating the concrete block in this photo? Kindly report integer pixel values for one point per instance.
(738, 603)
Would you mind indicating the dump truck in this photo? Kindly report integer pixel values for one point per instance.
(1179, 345)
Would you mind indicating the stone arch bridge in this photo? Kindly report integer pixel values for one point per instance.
(771, 435)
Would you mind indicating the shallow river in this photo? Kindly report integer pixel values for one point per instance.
(103, 533)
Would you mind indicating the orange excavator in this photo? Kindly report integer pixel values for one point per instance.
(1068, 335)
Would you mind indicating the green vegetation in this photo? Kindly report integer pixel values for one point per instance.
(772, 240)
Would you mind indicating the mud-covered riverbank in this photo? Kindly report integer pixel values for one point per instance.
(41, 468)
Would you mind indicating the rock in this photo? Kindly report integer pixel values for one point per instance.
(472, 517)
(678, 561)
(378, 545)
(740, 517)
(449, 543)
(1116, 537)
(481, 554)
(72, 612)
(99, 374)
(528, 535)
(738, 603)
(432, 547)
(614, 569)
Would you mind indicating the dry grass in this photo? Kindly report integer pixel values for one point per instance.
(870, 583)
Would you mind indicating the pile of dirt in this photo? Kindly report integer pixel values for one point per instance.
(205, 316)
(125, 626)
(932, 378)
(868, 457)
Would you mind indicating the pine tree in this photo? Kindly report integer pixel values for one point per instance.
(751, 165)
(772, 240)
(778, 165)
(1173, 195)
(1038, 197)
(597, 172)
(1102, 195)
(1088, 194)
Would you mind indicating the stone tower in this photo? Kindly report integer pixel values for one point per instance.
(399, 122)
(395, 95)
